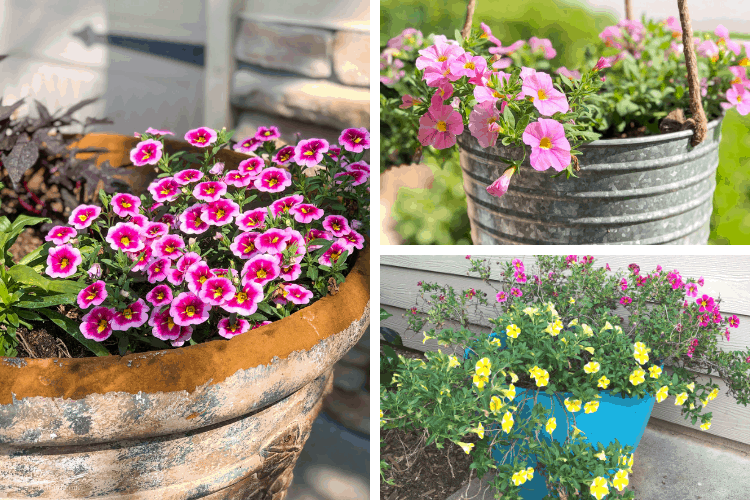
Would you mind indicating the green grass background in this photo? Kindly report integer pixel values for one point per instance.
(438, 215)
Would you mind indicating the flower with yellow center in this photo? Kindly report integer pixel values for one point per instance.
(551, 425)
(453, 362)
(496, 342)
(704, 402)
(529, 473)
(654, 371)
(587, 330)
(637, 377)
(510, 392)
(713, 394)
(554, 328)
(513, 377)
(573, 322)
(573, 406)
(426, 337)
(507, 422)
(483, 367)
(607, 326)
(620, 480)
(589, 349)
(601, 456)
(496, 404)
(627, 461)
(691, 386)
(519, 477)
(641, 355)
(572, 300)
(540, 375)
(706, 426)
(480, 380)
(479, 430)
(512, 331)
(467, 447)
(551, 309)
(591, 407)
(531, 311)
(591, 367)
(603, 382)
(662, 394)
(599, 488)
(680, 398)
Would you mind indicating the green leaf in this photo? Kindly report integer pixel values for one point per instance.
(312, 273)
(29, 315)
(27, 276)
(73, 330)
(266, 308)
(509, 118)
(66, 286)
(30, 258)
(47, 301)
(4, 295)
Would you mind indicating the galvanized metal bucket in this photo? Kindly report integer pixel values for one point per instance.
(650, 190)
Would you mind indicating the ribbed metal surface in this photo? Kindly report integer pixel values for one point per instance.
(650, 190)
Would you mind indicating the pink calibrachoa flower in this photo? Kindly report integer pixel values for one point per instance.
(154, 131)
(160, 295)
(248, 145)
(625, 300)
(501, 296)
(739, 97)
(691, 290)
(83, 216)
(273, 180)
(602, 63)
(125, 236)
(143, 258)
(220, 212)
(133, 316)
(500, 186)
(283, 205)
(59, 235)
(217, 169)
(125, 204)
(547, 100)
(437, 54)
(309, 153)
(158, 269)
(252, 166)
(261, 269)
(154, 230)
(216, 291)
(265, 134)
(92, 295)
(164, 327)
(355, 140)
(440, 126)
(520, 277)
(63, 261)
(294, 237)
(290, 272)
(706, 303)
(297, 294)
(483, 123)
(201, 137)
(507, 50)
(305, 213)
(185, 177)
(549, 146)
(210, 190)
(243, 245)
(516, 292)
(165, 189)
(273, 241)
(518, 265)
(141, 220)
(253, 219)
(188, 260)
(188, 309)
(332, 255)
(147, 152)
(245, 300)
(284, 155)
(337, 225)
(724, 40)
(408, 101)
(353, 240)
(95, 271)
(544, 45)
(228, 330)
(97, 324)
(358, 177)
(733, 321)
(196, 276)
(315, 234)
(467, 65)
(169, 246)
(573, 75)
(191, 221)
(236, 179)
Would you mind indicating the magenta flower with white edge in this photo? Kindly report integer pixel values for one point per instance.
(284, 156)
(154, 230)
(133, 316)
(201, 137)
(282, 205)
(186, 332)
(253, 219)
(294, 237)
(191, 221)
(158, 269)
(305, 213)
(252, 167)
(216, 291)
(210, 190)
(196, 275)
(500, 186)
(246, 300)
(125, 236)
(164, 327)
(140, 220)
(220, 212)
(358, 177)
(63, 261)
(483, 123)
(332, 255)
(547, 100)
(83, 216)
(143, 258)
(187, 260)
(353, 240)
(272, 241)
(97, 324)
(185, 177)
(228, 330)
(266, 134)
(290, 272)
(315, 234)
(247, 145)
(273, 180)
(164, 190)
(92, 295)
(188, 309)
(337, 225)
(359, 166)
(243, 245)
(236, 179)
(355, 140)
(549, 146)
(297, 294)
(59, 235)
(439, 126)
(160, 295)
(147, 152)
(261, 269)
(309, 153)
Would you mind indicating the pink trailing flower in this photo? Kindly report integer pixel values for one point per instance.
(243, 245)
(705, 302)
(518, 265)
(501, 296)
(252, 167)
(408, 101)
(273, 180)
(83, 216)
(142, 258)
(59, 235)
(185, 177)
(247, 145)
(623, 284)
(297, 294)
(261, 269)
(191, 221)
(467, 65)
(217, 169)
(673, 24)
(201, 137)
(164, 190)
(518, 44)
(315, 234)
(246, 300)
(625, 300)
(125, 204)
(284, 155)
(691, 290)
(147, 152)
(273, 241)
(253, 219)
(141, 220)
(725, 41)
(489, 93)
(602, 63)
(542, 44)
(97, 324)
(442, 94)
(438, 76)
(216, 291)
(436, 55)
(283, 205)
(236, 179)
(220, 212)
(733, 321)
(708, 48)
(92, 295)
(188, 309)
(196, 276)
(305, 213)
(337, 225)
(228, 330)
(516, 292)
(169, 246)
(740, 76)
(188, 260)
(294, 237)
(63, 261)
(572, 74)
(483, 123)
(290, 272)
(125, 236)
(160, 295)
(359, 177)
(439, 126)
(265, 134)
(500, 186)
(164, 327)
(154, 230)
(739, 97)
(353, 240)
(210, 190)
(158, 269)
(95, 271)
(133, 316)
(547, 100)
(332, 255)
(154, 131)
(520, 277)
(549, 146)
(309, 153)
(355, 140)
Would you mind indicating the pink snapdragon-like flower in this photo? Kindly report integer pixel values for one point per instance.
(549, 146)
(236, 179)
(246, 300)
(92, 295)
(542, 44)
(352, 240)
(297, 294)
(59, 235)
(210, 190)
(739, 97)
(133, 316)
(165, 189)
(355, 140)
(337, 225)
(309, 153)
(252, 167)
(284, 155)
(500, 186)
(201, 137)
(265, 134)
(273, 241)
(158, 270)
(248, 145)
(147, 152)
(125, 236)
(273, 180)
(216, 291)
(305, 213)
(260, 269)
(253, 219)
(125, 204)
(547, 100)
(439, 126)
(97, 324)
(169, 246)
(220, 212)
(483, 123)
(436, 55)
(191, 221)
(185, 177)
(283, 205)
(196, 275)
(332, 255)
(63, 261)
(188, 309)
(160, 295)
(229, 330)
(243, 245)
(83, 216)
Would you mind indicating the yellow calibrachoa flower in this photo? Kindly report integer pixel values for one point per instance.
(426, 337)
(519, 477)
(479, 430)
(589, 349)
(529, 473)
(601, 456)
(480, 380)
(603, 382)
(691, 386)
(706, 426)
(599, 488)
(713, 394)
(465, 446)
(662, 394)
(554, 328)
(627, 461)
(453, 362)
(513, 377)
(540, 375)
(531, 311)
(573, 322)
(572, 300)
(551, 309)
(512, 331)
(510, 392)
(507, 422)
(641, 353)
(591, 407)
(618, 329)
(551, 425)
(483, 367)
(654, 371)
(591, 367)
(607, 326)
(620, 480)
(587, 330)
(638, 376)
(496, 342)
(573, 406)
(495, 404)
(680, 398)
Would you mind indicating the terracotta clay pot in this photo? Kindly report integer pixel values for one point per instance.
(221, 420)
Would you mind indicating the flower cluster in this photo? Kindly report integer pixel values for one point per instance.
(213, 252)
